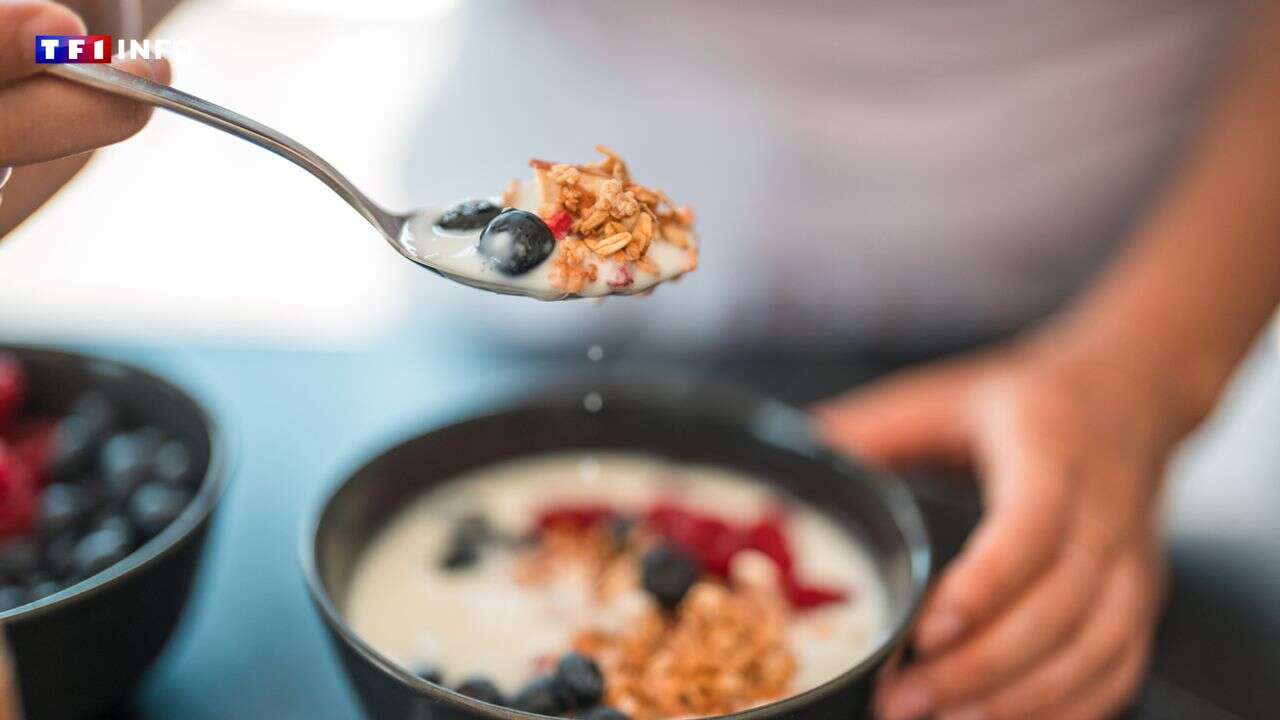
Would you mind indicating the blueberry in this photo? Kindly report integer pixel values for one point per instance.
(153, 506)
(63, 506)
(580, 677)
(102, 548)
(482, 689)
(469, 215)
(74, 440)
(19, 558)
(59, 554)
(544, 696)
(127, 459)
(117, 524)
(42, 587)
(11, 596)
(516, 242)
(430, 673)
(605, 713)
(668, 574)
(97, 412)
(466, 539)
(173, 464)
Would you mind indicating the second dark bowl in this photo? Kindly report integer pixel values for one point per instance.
(83, 649)
(683, 423)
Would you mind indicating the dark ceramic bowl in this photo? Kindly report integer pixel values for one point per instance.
(699, 425)
(83, 649)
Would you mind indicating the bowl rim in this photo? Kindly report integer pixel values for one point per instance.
(194, 515)
(899, 502)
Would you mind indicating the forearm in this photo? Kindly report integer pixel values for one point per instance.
(1202, 274)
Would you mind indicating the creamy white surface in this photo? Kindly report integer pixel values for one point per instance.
(480, 622)
(456, 252)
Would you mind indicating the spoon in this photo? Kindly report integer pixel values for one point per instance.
(395, 227)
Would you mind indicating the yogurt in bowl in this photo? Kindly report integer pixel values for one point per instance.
(683, 590)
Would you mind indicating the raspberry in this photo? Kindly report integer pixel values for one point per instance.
(32, 441)
(13, 387)
(808, 597)
(723, 551)
(574, 517)
(766, 536)
(560, 224)
(623, 279)
(710, 540)
(18, 496)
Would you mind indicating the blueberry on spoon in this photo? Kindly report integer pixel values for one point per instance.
(516, 242)
(469, 215)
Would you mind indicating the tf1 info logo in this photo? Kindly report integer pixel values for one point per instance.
(61, 49)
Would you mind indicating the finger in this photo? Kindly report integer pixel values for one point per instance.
(43, 118)
(20, 23)
(910, 418)
(889, 671)
(1026, 480)
(1126, 605)
(1115, 689)
(1029, 630)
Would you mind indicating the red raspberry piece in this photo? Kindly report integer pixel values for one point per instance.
(32, 441)
(623, 278)
(18, 495)
(714, 543)
(728, 545)
(574, 517)
(809, 597)
(560, 224)
(13, 387)
(767, 537)
(663, 515)
(693, 533)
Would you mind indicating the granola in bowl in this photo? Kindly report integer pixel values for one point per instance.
(584, 230)
(617, 586)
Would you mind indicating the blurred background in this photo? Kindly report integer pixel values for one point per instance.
(226, 267)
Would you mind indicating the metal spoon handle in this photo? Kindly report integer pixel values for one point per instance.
(119, 82)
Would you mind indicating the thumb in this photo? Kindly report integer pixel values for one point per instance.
(919, 416)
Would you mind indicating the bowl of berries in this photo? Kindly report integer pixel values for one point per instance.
(108, 479)
(674, 551)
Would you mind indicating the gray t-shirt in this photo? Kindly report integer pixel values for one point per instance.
(903, 175)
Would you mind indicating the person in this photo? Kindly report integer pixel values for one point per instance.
(1050, 609)
(927, 188)
(47, 125)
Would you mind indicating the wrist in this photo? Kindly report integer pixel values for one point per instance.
(1180, 375)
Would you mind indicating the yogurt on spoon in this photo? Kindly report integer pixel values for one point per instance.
(570, 231)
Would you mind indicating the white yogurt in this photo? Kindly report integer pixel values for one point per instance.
(455, 252)
(481, 622)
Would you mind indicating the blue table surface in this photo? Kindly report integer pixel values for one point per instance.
(251, 646)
